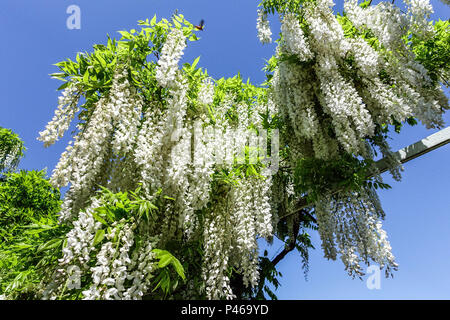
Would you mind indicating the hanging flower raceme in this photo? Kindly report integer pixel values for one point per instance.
(263, 27)
(338, 81)
(11, 150)
(294, 41)
(65, 112)
(355, 105)
(420, 11)
(350, 227)
(109, 130)
(117, 266)
(170, 55)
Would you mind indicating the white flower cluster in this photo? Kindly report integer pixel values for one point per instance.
(326, 34)
(294, 41)
(80, 238)
(335, 95)
(128, 110)
(65, 112)
(76, 253)
(293, 88)
(352, 122)
(9, 158)
(231, 230)
(217, 252)
(148, 155)
(200, 175)
(206, 93)
(121, 270)
(367, 59)
(413, 92)
(252, 217)
(125, 142)
(143, 266)
(111, 270)
(385, 20)
(420, 11)
(163, 156)
(427, 100)
(350, 227)
(324, 89)
(263, 27)
(87, 163)
(170, 55)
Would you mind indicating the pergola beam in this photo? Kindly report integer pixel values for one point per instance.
(406, 154)
(419, 148)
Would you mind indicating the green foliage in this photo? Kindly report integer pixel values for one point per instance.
(25, 197)
(11, 150)
(271, 275)
(163, 279)
(365, 4)
(29, 231)
(123, 206)
(281, 6)
(316, 177)
(138, 50)
(434, 53)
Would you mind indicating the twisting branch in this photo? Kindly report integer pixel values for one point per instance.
(292, 239)
(288, 247)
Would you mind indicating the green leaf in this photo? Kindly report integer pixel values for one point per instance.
(86, 77)
(64, 85)
(178, 268)
(195, 62)
(101, 60)
(193, 37)
(54, 243)
(99, 236)
(177, 24)
(165, 260)
(110, 214)
(97, 217)
(153, 21)
(365, 4)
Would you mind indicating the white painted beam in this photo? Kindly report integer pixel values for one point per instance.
(419, 148)
(406, 154)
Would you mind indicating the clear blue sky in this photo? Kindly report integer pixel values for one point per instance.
(34, 37)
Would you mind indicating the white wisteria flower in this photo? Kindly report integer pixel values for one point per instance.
(171, 53)
(263, 27)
